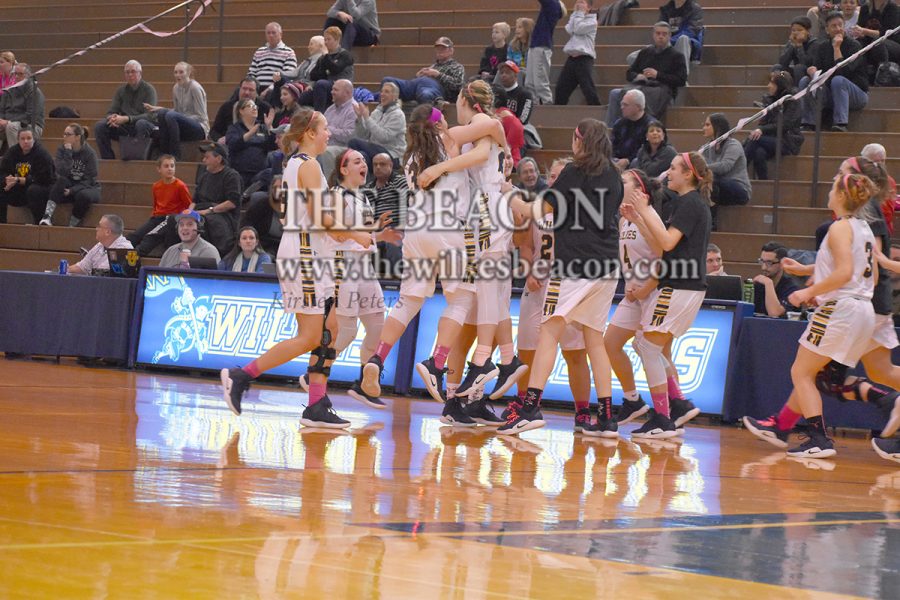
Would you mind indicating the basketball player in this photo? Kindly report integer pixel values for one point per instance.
(670, 309)
(841, 329)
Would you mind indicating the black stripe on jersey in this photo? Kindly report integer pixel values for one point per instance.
(662, 307)
(484, 224)
(820, 322)
(338, 272)
(307, 283)
(552, 297)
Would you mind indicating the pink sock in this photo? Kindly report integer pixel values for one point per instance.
(316, 392)
(583, 403)
(661, 403)
(440, 356)
(482, 353)
(252, 370)
(383, 350)
(507, 353)
(674, 390)
(522, 396)
(787, 418)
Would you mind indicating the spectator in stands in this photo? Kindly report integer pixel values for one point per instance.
(440, 81)
(797, 54)
(630, 131)
(847, 89)
(262, 216)
(685, 17)
(656, 154)
(530, 176)
(357, 19)
(512, 95)
(382, 131)
(170, 197)
(727, 161)
(27, 169)
(540, 50)
(518, 47)
(22, 106)
(316, 50)
(875, 18)
(495, 54)
(191, 245)
(77, 169)
(817, 15)
(760, 145)
(126, 115)
(336, 64)
(247, 256)
(388, 192)
(188, 122)
(715, 265)
(658, 70)
(341, 116)
(7, 62)
(512, 129)
(778, 285)
(877, 154)
(581, 52)
(850, 11)
(225, 115)
(274, 57)
(217, 197)
(249, 142)
(289, 100)
(108, 235)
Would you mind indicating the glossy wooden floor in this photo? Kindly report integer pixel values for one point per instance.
(125, 485)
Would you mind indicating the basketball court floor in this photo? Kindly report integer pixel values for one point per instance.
(118, 484)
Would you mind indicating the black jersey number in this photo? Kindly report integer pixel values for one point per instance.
(869, 260)
(625, 258)
(546, 246)
(502, 158)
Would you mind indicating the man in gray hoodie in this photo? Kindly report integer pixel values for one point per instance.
(357, 19)
(21, 106)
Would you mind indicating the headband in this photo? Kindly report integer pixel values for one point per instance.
(639, 180)
(854, 162)
(847, 182)
(687, 159)
(578, 134)
(436, 116)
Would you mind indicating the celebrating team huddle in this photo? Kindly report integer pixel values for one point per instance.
(572, 245)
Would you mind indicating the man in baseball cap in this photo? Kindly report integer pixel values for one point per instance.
(510, 94)
(439, 82)
(191, 245)
(216, 148)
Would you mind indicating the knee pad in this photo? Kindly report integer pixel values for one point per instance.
(322, 354)
(831, 381)
(458, 306)
(406, 308)
(653, 359)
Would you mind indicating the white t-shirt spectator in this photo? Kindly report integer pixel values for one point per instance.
(96, 257)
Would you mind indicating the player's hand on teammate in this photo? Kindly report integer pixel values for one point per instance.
(389, 235)
(429, 176)
(532, 283)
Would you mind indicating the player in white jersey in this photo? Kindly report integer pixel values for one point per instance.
(844, 321)
(357, 291)
(435, 243)
(306, 246)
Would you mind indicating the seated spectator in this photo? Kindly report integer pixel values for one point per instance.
(263, 215)
(77, 169)
(108, 235)
(188, 122)
(510, 94)
(656, 153)
(817, 15)
(388, 193)
(289, 99)
(875, 18)
(877, 154)
(170, 197)
(685, 17)
(22, 106)
(225, 115)
(126, 115)
(191, 245)
(797, 54)
(273, 57)
(731, 183)
(518, 47)
(249, 142)
(247, 256)
(382, 131)
(217, 197)
(337, 64)
(316, 50)
(760, 144)
(530, 178)
(847, 89)
(581, 51)
(630, 131)
(658, 71)
(777, 284)
(440, 81)
(513, 130)
(28, 172)
(715, 264)
(357, 19)
(849, 9)
(7, 62)
(341, 119)
(495, 54)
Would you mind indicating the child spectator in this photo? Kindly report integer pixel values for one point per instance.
(170, 197)
(796, 56)
(581, 51)
(495, 54)
(540, 51)
(517, 51)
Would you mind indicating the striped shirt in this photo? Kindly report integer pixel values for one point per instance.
(266, 61)
(388, 198)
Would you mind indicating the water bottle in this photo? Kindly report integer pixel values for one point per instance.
(63, 267)
(749, 296)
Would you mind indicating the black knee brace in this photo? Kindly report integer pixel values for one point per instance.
(831, 380)
(324, 352)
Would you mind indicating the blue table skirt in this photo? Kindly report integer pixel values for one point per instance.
(56, 315)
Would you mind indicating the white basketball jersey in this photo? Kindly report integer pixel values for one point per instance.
(633, 247)
(493, 227)
(449, 196)
(862, 284)
(542, 238)
(358, 212)
(298, 213)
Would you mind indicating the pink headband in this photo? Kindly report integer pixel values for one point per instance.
(578, 134)
(436, 116)
(687, 160)
(854, 162)
(639, 180)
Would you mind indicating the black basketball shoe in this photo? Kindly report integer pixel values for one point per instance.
(234, 383)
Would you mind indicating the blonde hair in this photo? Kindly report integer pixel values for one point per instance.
(503, 26)
(479, 95)
(8, 57)
(528, 26)
(305, 120)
